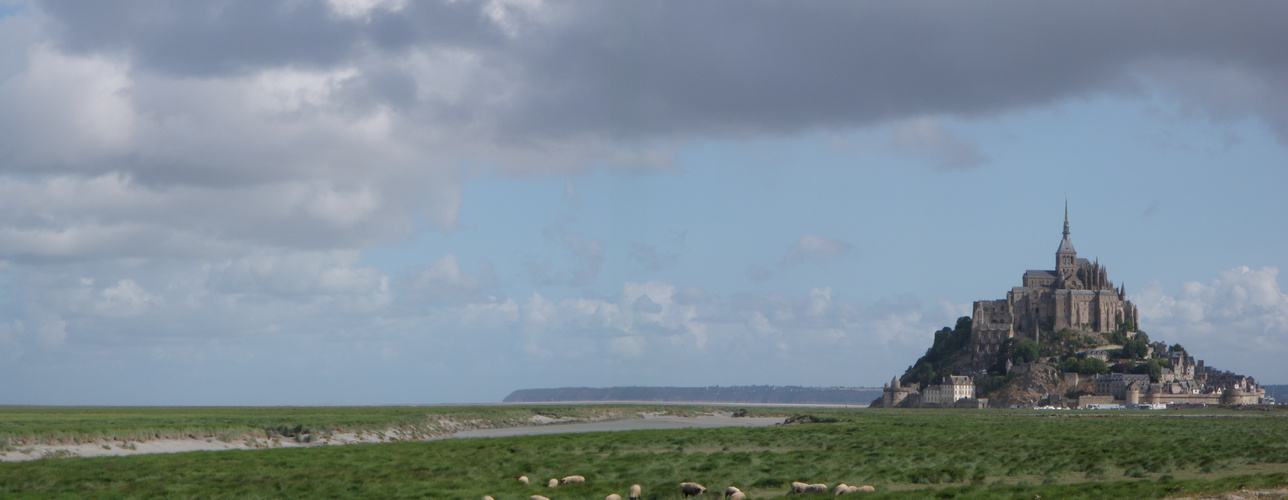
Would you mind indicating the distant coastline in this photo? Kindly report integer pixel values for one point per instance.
(757, 394)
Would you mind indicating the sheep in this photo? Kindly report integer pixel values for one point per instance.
(488, 497)
(523, 479)
(738, 496)
(798, 487)
(573, 480)
(614, 496)
(635, 492)
(731, 490)
(552, 483)
(692, 489)
(844, 489)
(816, 488)
(537, 497)
(867, 488)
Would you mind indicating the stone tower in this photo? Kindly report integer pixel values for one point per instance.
(1066, 258)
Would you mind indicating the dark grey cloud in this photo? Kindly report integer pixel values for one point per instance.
(640, 69)
(205, 39)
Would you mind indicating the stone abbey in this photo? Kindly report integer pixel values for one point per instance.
(1066, 337)
(1076, 295)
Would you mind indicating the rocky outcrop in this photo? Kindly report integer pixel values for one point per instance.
(1031, 386)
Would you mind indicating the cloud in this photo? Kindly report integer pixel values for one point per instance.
(809, 248)
(930, 141)
(587, 257)
(331, 125)
(759, 274)
(444, 281)
(652, 321)
(1153, 208)
(650, 258)
(1238, 319)
(812, 247)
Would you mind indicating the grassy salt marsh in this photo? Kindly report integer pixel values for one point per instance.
(904, 453)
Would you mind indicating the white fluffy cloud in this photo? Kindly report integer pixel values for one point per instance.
(789, 338)
(1240, 318)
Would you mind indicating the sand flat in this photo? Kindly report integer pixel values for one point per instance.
(554, 426)
(650, 421)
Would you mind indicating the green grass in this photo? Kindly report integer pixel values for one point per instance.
(904, 453)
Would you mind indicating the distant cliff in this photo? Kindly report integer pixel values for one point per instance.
(716, 394)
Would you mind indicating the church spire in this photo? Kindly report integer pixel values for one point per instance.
(1066, 215)
(1066, 258)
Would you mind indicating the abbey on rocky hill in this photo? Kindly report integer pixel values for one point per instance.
(1077, 295)
(1066, 338)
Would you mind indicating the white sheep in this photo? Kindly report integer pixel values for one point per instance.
(738, 496)
(614, 496)
(816, 488)
(867, 488)
(552, 483)
(635, 491)
(573, 480)
(841, 489)
(692, 489)
(523, 479)
(731, 490)
(488, 497)
(798, 487)
(537, 497)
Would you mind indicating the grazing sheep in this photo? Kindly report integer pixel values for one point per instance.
(488, 497)
(738, 496)
(614, 496)
(798, 487)
(731, 490)
(841, 489)
(573, 480)
(523, 479)
(552, 483)
(692, 489)
(867, 488)
(537, 497)
(635, 491)
(816, 488)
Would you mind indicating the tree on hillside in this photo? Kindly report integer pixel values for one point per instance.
(1083, 366)
(1152, 368)
(948, 346)
(1140, 348)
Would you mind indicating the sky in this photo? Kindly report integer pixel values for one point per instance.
(296, 202)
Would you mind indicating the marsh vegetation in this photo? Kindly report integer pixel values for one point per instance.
(904, 453)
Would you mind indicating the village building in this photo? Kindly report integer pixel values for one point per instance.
(949, 391)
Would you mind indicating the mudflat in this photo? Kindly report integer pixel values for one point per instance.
(649, 421)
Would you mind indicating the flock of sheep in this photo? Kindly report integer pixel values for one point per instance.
(694, 489)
